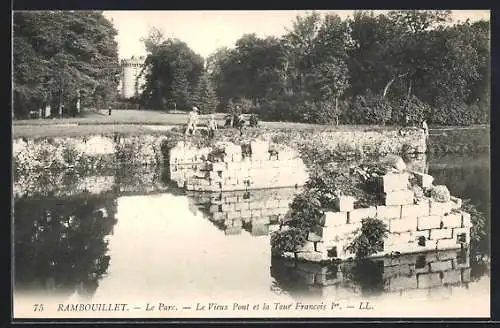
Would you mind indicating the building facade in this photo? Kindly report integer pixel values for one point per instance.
(132, 76)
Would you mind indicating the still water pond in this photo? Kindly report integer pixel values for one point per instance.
(133, 237)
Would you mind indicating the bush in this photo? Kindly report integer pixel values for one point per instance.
(415, 108)
(452, 112)
(371, 109)
(371, 239)
(287, 240)
(440, 194)
(479, 221)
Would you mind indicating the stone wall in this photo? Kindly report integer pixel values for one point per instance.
(416, 222)
(89, 152)
(407, 274)
(228, 166)
(256, 211)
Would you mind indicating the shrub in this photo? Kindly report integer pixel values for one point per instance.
(440, 193)
(287, 240)
(478, 220)
(415, 108)
(371, 239)
(371, 109)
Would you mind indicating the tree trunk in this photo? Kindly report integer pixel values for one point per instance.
(387, 87)
(409, 89)
(337, 110)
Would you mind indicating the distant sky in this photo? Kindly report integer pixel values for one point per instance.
(205, 31)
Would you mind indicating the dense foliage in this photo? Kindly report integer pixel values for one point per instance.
(367, 69)
(370, 240)
(60, 55)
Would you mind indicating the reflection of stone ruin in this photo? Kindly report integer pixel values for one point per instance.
(256, 211)
(409, 275)
(420, 217)
(227, 167)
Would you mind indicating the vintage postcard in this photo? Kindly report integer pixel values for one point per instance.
(251, 164)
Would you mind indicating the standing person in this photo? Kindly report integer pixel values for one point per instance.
(212, 126)
(240, 122)
(109, 110)
(192, 121)
(425, 127)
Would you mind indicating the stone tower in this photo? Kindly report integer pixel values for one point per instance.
(131, 78)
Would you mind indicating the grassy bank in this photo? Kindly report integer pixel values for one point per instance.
(112, 148)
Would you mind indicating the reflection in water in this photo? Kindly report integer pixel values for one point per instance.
(469, 177)
(256, 211)
(63, 222)
(60, 244)
(374, 277)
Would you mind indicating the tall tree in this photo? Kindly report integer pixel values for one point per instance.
(60, 54)
(205, 97)
(173, 71)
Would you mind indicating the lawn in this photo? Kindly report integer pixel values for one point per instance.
(142, 121)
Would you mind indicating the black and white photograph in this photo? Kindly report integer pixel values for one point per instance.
(181, 164)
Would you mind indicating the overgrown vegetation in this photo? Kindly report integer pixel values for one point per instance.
(318, 196)
(370, 240)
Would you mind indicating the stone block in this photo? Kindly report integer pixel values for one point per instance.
(234, 214)
(213, 208)
(441, 266)
(452, 277)
(415, 210)
(429, 222)
(333, 219)
(314, 237)
(284, 203)
(358, 214)
(256, 213)
(389, 212)
(260, 148)
(310, 256)
(461, 235)
(227, 207)
(424, 180)
(261, 220)
(466, 220)
(394, 182)
(429, 280)
(460, 262)
(259, 230)
(349, 229)
(444, 233)
(403, 197)
(219, 216)
(327, 233)
(402, 283)
(447, 244)
(328, 279)
(231, 199)
(242, 206)
(415, 235)
(446, 255)
(452, 220)
(403, 225)
(246, 214)
(272, 203)
(310, 267)
(439, 208)
(344, 203)
(232, 230)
